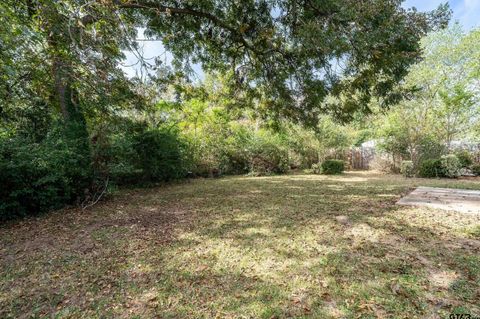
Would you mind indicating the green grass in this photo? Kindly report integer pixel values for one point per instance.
(246, 247)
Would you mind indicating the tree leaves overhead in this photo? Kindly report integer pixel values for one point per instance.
(443, 108)
(298, 58)
(299, 52)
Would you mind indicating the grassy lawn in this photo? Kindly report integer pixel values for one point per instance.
(304, 246)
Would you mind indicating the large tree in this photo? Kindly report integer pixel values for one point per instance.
(445, 104)
(291, 54)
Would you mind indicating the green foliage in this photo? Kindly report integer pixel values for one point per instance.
(236, 151)
(143, 155)
(121, 160)
(37, 177)
(428, 147)
(316, 168)
(28, 187)
(430, 168)
(447, 166)
(331, 167)
(267, 155)
(226, 141)
(442, 106)
(362, 136)
(78, 164)
(61, 169)
(160, 155)
(394, 134)
(465, 158)
(304, 146)
(476, 169)
(451, 165)
(265, 34)
(407, 169)
(394, 40)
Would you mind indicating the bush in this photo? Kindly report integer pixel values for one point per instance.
(447, 166)
(476, 169)
(430, 168)
(38, 177)
(465, 158)
(330, 167)
(235, 153)
(160, 155)
(267, 155)
(304, 147)
(146, 156)
(451, 166)
(237, 149)
(406, 168)
(121, 160)
(429, 148)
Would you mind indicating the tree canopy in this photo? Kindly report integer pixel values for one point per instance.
(300, 58)
(444, 104)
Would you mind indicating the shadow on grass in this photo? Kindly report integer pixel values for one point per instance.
(258, 247)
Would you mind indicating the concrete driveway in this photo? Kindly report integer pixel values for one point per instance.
(461, 200)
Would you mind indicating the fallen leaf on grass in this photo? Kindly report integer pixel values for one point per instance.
(201, 268)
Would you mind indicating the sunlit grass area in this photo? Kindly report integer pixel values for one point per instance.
(304, 246)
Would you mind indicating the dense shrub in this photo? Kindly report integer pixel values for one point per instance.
(160, 155)
(69, 165)
(429, 147)
(476, 169)
(430, 168)
(451, 166)
(37, 177)
(304, 147)
(465, 158)
(148, 155)
(332, 167)
(206, 159)
(217, 150)
(121, 160)
(446, 166)
(267, 155)
(235, 153)
(407, 169)
(237, 149)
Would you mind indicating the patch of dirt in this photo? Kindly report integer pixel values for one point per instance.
(74, 231)
(342, 219)
(363, 232)
(442, 278)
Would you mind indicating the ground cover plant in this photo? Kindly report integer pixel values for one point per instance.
(302, 246)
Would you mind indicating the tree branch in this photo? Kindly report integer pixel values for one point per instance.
(191, 12)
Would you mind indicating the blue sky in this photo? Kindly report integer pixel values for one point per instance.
(467, 12)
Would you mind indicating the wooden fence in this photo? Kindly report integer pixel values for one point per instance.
(361, 157)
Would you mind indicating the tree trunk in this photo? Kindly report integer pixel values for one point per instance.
(61, 83)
